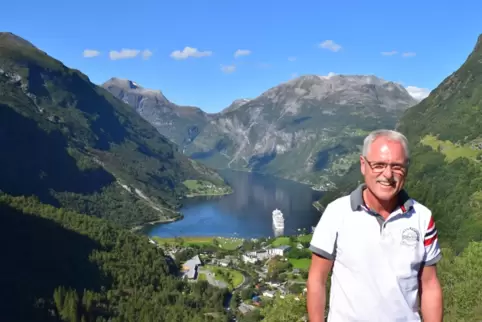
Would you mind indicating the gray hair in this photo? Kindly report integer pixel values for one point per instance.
(389, 134)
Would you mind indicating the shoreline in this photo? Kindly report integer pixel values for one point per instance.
(318, 206)
(158, 221)
(191, 195)
(180, 216)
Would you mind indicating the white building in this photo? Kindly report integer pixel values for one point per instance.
(249, 259)
(190, 267)
(269, 293)
(279, 251)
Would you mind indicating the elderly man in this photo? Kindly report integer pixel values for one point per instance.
(381, 244)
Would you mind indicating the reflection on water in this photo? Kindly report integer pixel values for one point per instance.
(278, 231)
(248, 211)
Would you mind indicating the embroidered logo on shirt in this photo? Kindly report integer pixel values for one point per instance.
(410, 237)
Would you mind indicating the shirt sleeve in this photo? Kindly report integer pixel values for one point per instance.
(323, 242)
(432, 247)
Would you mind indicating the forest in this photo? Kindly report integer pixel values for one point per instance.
(63, 266)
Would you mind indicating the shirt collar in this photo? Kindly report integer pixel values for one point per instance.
(356, 199)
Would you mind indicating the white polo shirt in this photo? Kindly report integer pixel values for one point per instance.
(376, 261)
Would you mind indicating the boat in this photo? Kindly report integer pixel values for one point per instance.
(278, 219)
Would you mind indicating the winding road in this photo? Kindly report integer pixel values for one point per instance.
(213, 281)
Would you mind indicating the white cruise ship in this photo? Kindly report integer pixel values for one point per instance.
(278, 219)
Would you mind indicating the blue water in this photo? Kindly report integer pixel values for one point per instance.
(247, 212)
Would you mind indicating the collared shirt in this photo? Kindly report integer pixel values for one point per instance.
(376, 261)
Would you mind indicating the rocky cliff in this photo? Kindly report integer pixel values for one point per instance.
(308, 129)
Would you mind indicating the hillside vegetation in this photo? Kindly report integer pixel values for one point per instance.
(73, 144)
(64, 266)
(446, 175)
(445, 137)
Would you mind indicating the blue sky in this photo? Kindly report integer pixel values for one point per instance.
(283, 39)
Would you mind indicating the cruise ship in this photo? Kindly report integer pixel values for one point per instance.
(278, 219)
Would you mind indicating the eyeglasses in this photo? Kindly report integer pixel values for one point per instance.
(379, 167)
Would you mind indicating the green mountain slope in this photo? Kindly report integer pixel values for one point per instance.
(445, 136)
(73, 144)
(64, 266)
(446, 175)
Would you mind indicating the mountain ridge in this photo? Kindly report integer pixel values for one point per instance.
(114, 158)
(264, 133)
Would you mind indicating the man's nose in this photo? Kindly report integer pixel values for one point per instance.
(387, 172)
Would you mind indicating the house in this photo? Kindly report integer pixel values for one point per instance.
(279, 251)
(260, 255)
(273, 284)
(245, 308)
(190, 267)
(249, 259)
(268, 294)
(224, 262)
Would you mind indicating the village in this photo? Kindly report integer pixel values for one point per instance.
(255, 271)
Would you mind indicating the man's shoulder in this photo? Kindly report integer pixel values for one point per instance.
(422, 213)
(339, 205)
(420, 208)
(340, 202)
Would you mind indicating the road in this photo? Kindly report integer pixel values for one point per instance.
(245, 282)
(212, 280)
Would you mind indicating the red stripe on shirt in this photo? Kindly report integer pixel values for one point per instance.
(430, 241)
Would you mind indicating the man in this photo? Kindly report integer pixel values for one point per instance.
(381, 244)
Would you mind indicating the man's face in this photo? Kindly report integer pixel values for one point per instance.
(384, 168)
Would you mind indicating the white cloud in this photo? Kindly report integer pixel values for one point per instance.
(408, 54)
(146, 54)
(330, 45)
(330, 74)
(292, 58)
(123, 54)
(417, 92)
(189, 52)
(389, 53)
(228, 69)
(89, 53)
(242, 52)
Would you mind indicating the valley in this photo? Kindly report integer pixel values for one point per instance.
(85, 164)
(246, 212)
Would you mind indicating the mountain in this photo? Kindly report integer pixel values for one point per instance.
(181, 124)
(307, 129)
(235, 105)
(73, 144)
(445, 174)
(444, 133)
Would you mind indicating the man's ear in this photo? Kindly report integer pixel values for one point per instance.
(362, 164)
